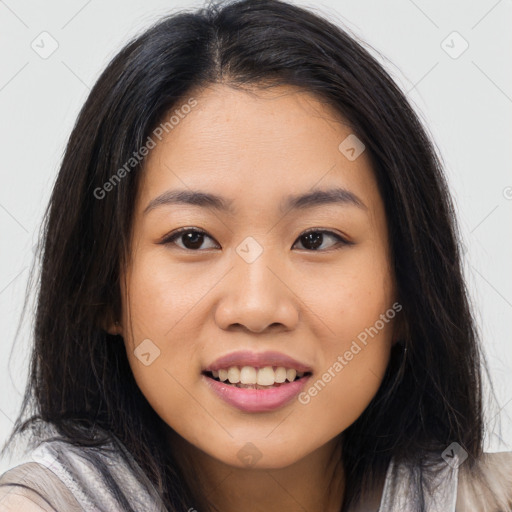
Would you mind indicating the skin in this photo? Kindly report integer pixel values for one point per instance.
(255, 148)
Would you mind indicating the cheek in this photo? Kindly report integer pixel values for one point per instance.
(162, 292)
(356, 308)
(160, 332)
(351, 294)
(351, 377)
(165, 369)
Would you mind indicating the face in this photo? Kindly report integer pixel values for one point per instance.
(259, 286)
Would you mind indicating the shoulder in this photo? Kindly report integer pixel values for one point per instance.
(33, 488)
(488, 487)
(72, 475)
(13, 501)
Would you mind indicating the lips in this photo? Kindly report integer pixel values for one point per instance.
(261, 360)
(257, 400)
(255, 382)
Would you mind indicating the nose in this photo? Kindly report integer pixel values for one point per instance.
(258, 296)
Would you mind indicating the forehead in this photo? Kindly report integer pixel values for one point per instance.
(255, 146)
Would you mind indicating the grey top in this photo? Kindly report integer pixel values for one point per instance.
(58, 478)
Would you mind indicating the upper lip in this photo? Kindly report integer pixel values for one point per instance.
(257, 360)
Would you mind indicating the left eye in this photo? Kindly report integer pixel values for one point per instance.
(193, 239)
(315, 238)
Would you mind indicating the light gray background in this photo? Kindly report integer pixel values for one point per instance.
(466, 103)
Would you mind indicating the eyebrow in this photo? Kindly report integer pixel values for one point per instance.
(210, 201)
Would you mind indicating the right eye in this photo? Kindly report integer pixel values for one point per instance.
(192, 238)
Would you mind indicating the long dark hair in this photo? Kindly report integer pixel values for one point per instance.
(431, 394)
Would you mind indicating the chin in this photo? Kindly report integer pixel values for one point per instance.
(260, 454)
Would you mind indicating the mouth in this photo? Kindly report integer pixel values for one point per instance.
(256, 390)
(256, 382)
(251, 377)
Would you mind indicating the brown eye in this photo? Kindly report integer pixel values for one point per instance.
(192, 239)
(314, 239)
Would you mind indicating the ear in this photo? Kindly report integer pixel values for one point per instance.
(110, 325)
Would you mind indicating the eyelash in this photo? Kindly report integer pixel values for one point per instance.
(171, 237)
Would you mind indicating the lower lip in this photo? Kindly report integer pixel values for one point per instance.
(257, 400)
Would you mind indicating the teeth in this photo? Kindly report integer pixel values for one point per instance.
(291, 374)
(248, 375)
(266, 376)
(280, 374)
(233, 375)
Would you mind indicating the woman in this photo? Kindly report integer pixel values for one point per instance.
(251, 293)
